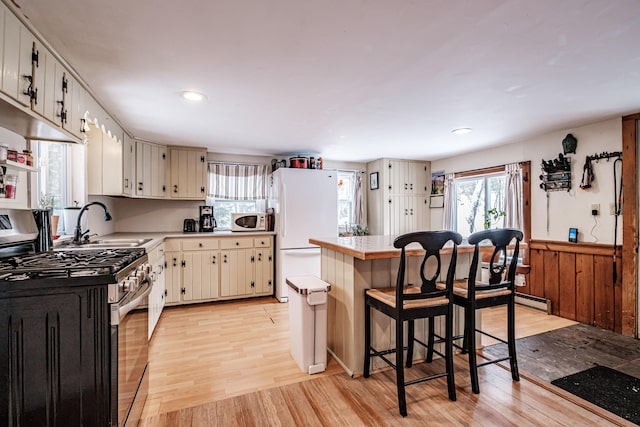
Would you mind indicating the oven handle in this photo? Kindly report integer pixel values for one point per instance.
(119, 312)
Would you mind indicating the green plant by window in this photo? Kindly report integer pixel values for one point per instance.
(493, 215)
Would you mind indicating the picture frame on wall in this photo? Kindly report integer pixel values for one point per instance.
(437, 182)
(436, 201)
(373, 181)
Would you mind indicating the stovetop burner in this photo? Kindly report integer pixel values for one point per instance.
(61, 264)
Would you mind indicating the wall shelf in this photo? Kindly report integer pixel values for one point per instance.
(18, 166)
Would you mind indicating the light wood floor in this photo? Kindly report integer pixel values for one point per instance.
(207, 353)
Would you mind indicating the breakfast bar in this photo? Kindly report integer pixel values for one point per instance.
(351, 265)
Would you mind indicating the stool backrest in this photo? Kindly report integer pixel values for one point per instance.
(500, 238)
(432, 242)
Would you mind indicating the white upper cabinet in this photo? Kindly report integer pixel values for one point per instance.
(150, 170)
(51, 96)
(128, 166)
(188, 173)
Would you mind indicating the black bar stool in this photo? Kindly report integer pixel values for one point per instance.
(473, 294)
(407, 303)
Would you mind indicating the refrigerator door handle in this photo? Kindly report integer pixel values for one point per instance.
(283, 216)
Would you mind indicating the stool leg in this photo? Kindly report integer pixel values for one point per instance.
(451, 384)
(402, 401)
(511, 339)
(465, 334)
(367, 338)
(410, 338)
(470, 320)
(430, 339)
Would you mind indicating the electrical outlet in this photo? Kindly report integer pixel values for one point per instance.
(595, 209)
(612, 208)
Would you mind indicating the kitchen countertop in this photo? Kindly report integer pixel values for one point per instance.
(158, 237)
(374, 247)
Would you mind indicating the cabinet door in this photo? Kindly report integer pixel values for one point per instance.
(74, 102)
(200, 275)
(236, 272)
(128, 166)
(11, 54)
(188, 170)
(157, 164)
(111, 166)
(264, 271)
(51, 95)
(173, 277)
(39, 67)
(418, 177)
(94, 161)
(143, 169)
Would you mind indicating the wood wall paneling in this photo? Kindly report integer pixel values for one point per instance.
(551, 280)
(578, 280)
(584, 289)
(536, 274)
(567, 285)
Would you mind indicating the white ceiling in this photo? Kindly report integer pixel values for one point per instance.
(350, 79)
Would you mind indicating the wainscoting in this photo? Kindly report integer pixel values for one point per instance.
(578, 280)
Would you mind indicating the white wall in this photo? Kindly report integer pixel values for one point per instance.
(566, 209)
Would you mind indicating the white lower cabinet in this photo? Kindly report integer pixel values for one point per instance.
(206, 269)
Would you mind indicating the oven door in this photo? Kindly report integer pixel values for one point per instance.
(129, 356)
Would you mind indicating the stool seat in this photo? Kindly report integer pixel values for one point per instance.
(461, 289)
(388, 296)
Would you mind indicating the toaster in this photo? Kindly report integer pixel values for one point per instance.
(189, 225)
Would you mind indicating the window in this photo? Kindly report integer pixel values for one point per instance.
(54, 178)
(480, 202)
(236, 188)
(346, 200)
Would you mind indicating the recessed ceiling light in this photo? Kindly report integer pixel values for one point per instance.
(190, 95)
(461, 131)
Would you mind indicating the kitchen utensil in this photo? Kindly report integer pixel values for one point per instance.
(189, 225)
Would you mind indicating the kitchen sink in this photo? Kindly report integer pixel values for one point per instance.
(105, 243)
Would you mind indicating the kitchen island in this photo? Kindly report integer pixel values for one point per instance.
(351, 265)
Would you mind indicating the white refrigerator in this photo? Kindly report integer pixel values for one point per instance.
(305, 203)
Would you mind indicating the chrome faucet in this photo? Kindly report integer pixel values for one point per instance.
(78, 233)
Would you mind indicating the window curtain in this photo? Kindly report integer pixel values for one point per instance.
(232, 181)
(513, 199)
(449, 218)
(358, 210)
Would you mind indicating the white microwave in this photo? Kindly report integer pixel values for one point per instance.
(248, 222)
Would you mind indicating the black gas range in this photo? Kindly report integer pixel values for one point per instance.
(74, 329)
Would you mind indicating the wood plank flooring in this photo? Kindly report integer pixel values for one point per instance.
(229, 364)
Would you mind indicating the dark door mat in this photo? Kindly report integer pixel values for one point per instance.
(612, 390)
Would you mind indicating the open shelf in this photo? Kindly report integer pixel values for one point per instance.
(18, 166)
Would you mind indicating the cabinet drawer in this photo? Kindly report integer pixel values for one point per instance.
(157, 252)
(236, 243)
(263, 242)
(172, 245)
(199, 244)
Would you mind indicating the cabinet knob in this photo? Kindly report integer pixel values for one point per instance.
(214, 259)
(200, 244)
(224, 259)
(237, 243)
(175, 188)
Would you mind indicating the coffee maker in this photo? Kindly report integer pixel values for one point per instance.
(207, 221)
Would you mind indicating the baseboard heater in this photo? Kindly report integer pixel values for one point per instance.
(534, 302)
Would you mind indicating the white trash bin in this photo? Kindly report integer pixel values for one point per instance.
(308, 322)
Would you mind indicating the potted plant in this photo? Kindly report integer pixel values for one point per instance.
(492, 217)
